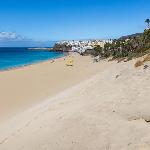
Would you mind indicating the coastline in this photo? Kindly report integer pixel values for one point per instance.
(36, 82)
(33, 63)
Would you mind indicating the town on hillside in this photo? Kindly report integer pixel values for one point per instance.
(79, 46)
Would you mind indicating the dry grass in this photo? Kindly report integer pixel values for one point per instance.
(138, 63)
(147, 58)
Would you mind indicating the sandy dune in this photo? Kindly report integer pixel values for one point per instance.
(107, 111)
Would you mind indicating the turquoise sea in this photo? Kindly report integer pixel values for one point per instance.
(17, 57)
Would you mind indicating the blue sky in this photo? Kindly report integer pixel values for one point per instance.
(73, 19)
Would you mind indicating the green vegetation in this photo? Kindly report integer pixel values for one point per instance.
(128, 47)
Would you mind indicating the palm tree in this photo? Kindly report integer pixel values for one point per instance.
(148, 22)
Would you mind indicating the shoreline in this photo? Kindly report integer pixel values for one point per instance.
(34, 83)
(30, 64)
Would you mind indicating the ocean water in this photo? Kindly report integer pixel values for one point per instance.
(17, 57)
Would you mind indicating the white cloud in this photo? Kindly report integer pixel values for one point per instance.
(9, 36)
(12, 39)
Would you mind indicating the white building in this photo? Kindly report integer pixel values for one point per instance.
(82, 46)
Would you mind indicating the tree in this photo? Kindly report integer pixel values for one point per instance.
(148, 23)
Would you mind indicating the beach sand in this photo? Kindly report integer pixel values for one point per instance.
(105, 107)
(24, 87)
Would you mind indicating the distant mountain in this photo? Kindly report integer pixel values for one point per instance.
(131, 36)
(11, 39)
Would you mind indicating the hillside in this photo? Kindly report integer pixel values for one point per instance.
(127, 47)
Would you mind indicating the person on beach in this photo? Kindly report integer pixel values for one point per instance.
(52, 61)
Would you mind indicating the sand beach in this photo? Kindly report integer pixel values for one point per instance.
(91, 106)
(26, 86)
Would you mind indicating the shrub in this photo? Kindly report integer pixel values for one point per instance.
(138, 63)
(130, 56)
(128, 48)
(98, 51)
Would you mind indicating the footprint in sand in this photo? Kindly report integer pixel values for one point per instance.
(3, 141)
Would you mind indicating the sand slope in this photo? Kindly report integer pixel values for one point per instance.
(101, 113)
